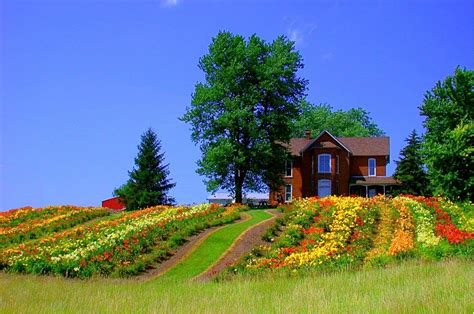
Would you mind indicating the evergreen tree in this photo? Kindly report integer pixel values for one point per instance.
(410, 170)
(149, 183)
(449, 139)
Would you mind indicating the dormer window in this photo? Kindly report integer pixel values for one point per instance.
(372, 167)
(324, 163)
(288, 168)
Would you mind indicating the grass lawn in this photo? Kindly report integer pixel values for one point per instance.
(212, 248)
(444, 287)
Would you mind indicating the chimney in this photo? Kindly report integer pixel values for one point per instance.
(307, 134)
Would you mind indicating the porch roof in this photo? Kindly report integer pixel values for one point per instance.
(374, 181)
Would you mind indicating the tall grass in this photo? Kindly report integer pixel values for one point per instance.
(444, 287)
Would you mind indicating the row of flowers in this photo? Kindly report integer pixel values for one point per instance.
(353, 231)
(117, 245)
(30, 223)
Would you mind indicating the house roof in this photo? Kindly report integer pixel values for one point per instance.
(367, 146)
(297, 144)
(357, 146)
(327, 143)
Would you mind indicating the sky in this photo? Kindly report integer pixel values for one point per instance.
(81, 80)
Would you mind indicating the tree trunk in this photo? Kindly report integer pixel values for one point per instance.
(238, 186)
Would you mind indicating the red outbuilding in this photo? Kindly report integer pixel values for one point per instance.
(114, 203)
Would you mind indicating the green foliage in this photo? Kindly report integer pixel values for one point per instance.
(410, 171)
(353, 122)
(242, 114)
(449, 139)
(149, 183)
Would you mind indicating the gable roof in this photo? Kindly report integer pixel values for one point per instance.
(321, 134)
(297, 144)
(367, 146)
(357, 146)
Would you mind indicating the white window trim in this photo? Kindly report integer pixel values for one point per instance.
(291, 193)
(319, 163)
(286, 166)
(375, 167)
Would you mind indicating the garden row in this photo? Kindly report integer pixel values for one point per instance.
(350, 232)
(27, 223)
(121, 246)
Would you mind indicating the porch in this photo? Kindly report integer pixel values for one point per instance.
(372, 186)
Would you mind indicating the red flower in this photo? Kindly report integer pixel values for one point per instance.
(313, 230)
(445, 228)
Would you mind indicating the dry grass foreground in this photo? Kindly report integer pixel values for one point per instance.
(443, 287)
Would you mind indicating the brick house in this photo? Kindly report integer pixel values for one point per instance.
(327, 165)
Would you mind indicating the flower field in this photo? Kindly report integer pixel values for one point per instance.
(123, 245)
(340, 232)
(30, 223)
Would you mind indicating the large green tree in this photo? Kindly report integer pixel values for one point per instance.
(353, 122)
(241, 116)
(149, 182)
(449, 138)
(410, 169)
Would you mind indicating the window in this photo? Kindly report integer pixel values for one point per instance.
(288, 168)
(372, 167)
(324, 187)
(288, 192)
(324, 163)
(337, 163)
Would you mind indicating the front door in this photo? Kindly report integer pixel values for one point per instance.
(324, 187)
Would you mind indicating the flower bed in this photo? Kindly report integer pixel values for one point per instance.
(122, 246)
(30, 223)
(341, 232)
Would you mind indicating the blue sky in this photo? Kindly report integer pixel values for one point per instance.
(81, 80)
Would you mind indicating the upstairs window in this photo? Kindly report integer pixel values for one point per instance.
(372, 167)
(288, 168)
(324, 163)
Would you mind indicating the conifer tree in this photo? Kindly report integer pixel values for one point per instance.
(410, 171)
(149, 182)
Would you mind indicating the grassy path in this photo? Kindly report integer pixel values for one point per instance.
(212, 248)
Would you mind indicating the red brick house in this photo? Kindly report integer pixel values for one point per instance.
(328, 165)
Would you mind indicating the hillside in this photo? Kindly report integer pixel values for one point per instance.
(424, 244)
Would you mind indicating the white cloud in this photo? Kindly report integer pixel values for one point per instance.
(295, 35)
(169, 3)
(300, 32)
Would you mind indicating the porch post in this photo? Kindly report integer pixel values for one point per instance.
(384, 190)
(366, 191)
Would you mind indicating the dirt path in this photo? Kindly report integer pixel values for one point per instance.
(244, 243)
(183, 252)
